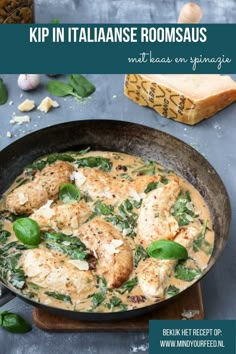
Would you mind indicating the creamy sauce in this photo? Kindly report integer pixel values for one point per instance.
(124, 178)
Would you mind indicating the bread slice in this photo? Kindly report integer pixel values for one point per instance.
(184, 98)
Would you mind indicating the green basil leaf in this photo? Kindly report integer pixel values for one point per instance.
(82, 86)
(166, 249)
(69, 194)
(59, 296)
(185, 273)
(60, 89)
(14, 323)
(27, 231)
(3, 93)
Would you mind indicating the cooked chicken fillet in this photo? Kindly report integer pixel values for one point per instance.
(46, 270)
(26, 198)
(66, 217)
(32, 195)
(115, 260)
(99, 184)
(53, 176)
(155, 220)
(154, 274)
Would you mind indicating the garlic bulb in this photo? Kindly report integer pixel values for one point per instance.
(27, 82)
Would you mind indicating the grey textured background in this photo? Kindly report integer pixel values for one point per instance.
(214, 138)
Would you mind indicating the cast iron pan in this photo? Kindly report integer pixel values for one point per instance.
(133, 139)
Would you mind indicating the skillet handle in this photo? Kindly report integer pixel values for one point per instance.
(5, 295)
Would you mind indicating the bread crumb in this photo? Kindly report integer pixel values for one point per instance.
(11, 103)
(9, 134)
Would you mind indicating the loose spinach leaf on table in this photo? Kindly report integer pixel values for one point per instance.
(14, 323)
(82, 86)
(3, 93)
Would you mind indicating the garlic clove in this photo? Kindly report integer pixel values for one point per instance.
(28, 82)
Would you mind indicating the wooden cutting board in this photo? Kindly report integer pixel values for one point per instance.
(191, 299)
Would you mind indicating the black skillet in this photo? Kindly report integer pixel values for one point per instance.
(133, 139)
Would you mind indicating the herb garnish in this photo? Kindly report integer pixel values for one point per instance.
(103, 163)
(139, 255)
(172, 290)
(200, 243)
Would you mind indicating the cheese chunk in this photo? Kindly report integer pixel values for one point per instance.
(184, 98)
(46, 104)
(26, 106)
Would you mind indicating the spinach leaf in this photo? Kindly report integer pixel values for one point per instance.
(126, 220)
(14, 323)
(84, 151)
(27, 231)
(104, 164)
(3, 93)
(151, 186)
(116, 302)
(69, 194)
(185, 273)
(101, 283)
(128, 286)
(70, 246)
(148, 169)
(139, 254)
(101, 208)
(59, 296)
(60, 89)
(97, 299)
(59, 157)
(164, 180)
(166, 249)
(183, 209)
(200, 243)
(82, 86)
(17, 278)
(172, 290)
(4, 235)
(37, 165)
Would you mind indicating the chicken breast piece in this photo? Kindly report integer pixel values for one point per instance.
(45, 269)
(26, 198)
(155, 220)
(99, 184)
(115, 260)
(154, 274)
(53, 176)
(65, 218)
